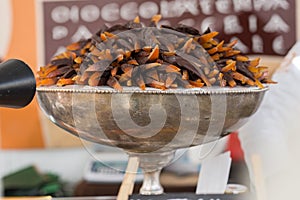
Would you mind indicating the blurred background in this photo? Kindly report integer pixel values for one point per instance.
(36, 30)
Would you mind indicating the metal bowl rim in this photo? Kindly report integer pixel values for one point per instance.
(126, 90)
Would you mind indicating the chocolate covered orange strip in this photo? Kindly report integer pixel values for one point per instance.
(153, 58)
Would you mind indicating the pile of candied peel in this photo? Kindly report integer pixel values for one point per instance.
(150, 56)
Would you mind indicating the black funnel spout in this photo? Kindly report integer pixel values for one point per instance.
(17, 84)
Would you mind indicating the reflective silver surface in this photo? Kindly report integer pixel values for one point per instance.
(149, 120)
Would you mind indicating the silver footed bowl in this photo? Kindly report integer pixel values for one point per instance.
(151, 120)
(149, 124)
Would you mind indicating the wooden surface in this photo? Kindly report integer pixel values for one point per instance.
(27, 198)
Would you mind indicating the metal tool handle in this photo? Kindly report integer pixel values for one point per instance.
(17, 84)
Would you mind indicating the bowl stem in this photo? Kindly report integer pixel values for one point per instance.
(151, 165)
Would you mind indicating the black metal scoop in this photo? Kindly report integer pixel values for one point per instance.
(17, 84)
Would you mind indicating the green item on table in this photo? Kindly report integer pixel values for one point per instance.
(30, 182)
(25, 178)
